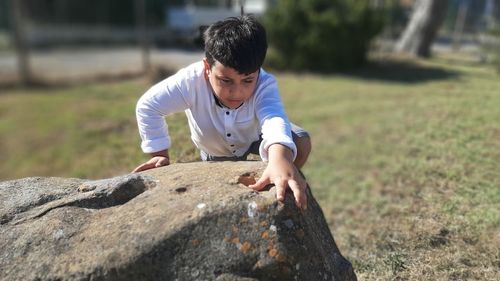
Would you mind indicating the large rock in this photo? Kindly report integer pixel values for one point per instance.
(192, 221)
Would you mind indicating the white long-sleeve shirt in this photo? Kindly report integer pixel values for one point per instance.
(216, 130)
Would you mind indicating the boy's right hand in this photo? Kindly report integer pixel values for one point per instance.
(159, 159)
(155, 162)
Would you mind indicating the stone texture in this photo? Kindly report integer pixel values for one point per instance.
(193, 221)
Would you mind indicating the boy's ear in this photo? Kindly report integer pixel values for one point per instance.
(207, 67)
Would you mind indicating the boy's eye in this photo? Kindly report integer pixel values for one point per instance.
(248, 81)
(225, 81)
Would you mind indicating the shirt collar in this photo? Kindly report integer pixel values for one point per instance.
(217, 101)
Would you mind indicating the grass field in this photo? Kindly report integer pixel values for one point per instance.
(405, 160)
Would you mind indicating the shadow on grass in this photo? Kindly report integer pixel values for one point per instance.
(401, 72)
(41, 84)
(155, 75)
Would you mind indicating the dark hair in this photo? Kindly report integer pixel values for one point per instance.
(236, 42)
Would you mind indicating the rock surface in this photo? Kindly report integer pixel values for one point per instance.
(195, 221)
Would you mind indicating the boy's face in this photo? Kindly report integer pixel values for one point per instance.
(230, 87)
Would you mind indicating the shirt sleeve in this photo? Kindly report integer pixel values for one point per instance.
(166, 97)
(272, 117)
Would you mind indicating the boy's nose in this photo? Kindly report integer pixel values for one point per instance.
(236, 91)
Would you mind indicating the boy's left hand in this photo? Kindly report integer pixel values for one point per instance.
(283, 174)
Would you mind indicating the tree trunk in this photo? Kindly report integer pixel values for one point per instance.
(421, 30)
(140, 14)
(20, 43)
(459, 25)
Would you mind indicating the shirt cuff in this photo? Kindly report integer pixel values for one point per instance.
(150, 146)
(265, 144)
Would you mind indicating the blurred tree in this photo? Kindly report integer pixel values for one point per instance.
(460, 24)
(496, 10)
(321, 35)
(141, 15)
(20, 44)
(4, 14)
(396, 18)
(101, 12)
(475, 14)
(421, 30)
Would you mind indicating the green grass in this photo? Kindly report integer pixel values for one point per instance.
(88, 131)
(405, 159)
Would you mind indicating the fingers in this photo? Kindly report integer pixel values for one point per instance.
(299, 194)
(144, 167)
(261, 183)
(281, 186)
(162, 162)
(264, 181)
(280, 189)
(151, 164)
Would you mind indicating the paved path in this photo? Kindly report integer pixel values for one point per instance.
(83, 64)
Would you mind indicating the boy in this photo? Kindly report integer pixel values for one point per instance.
(233, 109)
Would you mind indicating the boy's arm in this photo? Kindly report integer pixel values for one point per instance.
(169, 96)
(158, 159)
(277, 146)
(282, 173)
(275, 127)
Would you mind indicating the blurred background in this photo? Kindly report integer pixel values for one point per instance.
(401, 98)
(64, 41)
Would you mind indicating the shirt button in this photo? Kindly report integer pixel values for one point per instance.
(232, 145)
(227, 112)
(228, 135)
